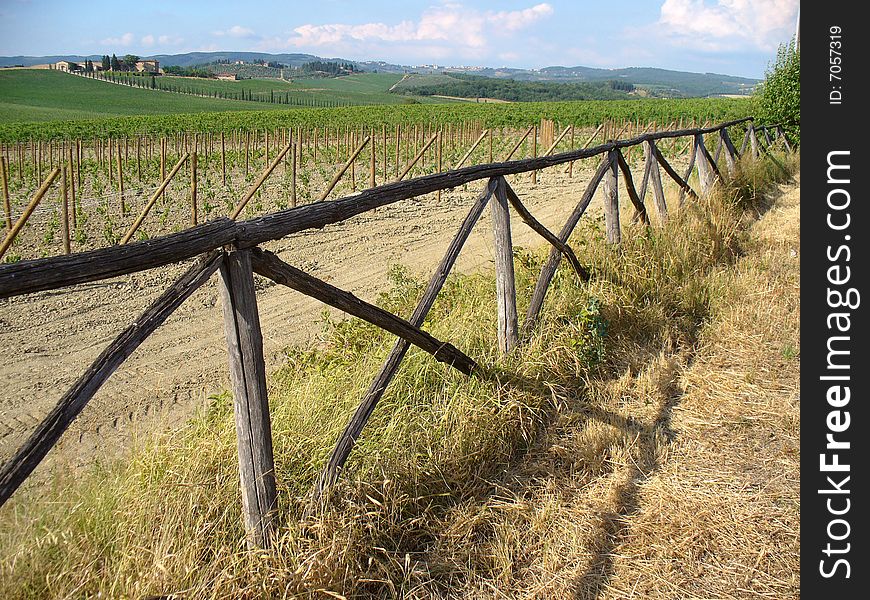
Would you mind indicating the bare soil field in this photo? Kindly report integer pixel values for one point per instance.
(48, 339)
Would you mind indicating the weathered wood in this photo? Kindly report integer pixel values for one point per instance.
(753, 141)
(268, 265)
(710, 163)
(545, 233)
(354, 428)
(151, 201)
(730, 151)
(611, 201)
(705, 170)
(250, 400)
(656, 178)
(337, 177)
(256, 185)
(29, 276)
(745, 142)
(644, 182)
(640, 210)
(674, 175)
(688, 173)
(71, 404)
(549, 268)
(718, 151)
(31, 206)
(470, 150)
(505, 286)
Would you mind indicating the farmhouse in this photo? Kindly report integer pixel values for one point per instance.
(227, 76)
(147, 66)
(67, 66)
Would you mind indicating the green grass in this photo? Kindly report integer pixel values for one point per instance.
(44, 95)
(417, 511)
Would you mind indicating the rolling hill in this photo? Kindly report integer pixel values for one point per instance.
(653, 81)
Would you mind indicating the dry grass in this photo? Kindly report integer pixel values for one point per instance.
(643, 444)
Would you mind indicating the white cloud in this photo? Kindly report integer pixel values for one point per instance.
(519, 19)
(148, 40)
(236, 31)
(443, 30)
(728, 24)
(170, 40)
(126, 39)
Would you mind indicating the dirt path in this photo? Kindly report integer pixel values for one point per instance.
(48, 339)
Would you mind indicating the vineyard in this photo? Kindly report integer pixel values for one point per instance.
(96, 192)
(93, 192)
(349, 90)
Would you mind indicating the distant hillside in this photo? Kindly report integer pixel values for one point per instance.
(188, 59)
(686, 83)
(648, 81)
(463, 85)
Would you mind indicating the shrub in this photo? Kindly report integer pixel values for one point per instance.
(780, 96)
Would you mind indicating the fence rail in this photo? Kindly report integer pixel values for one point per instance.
(231, 248)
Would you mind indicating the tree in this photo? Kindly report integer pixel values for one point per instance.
(106, 62)
(130, 61)
(779, 101)
(115, 63)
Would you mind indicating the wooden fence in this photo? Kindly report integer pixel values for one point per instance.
(135, 167)
(230, 248)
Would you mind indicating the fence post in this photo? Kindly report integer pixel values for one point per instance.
(730, 151)
(250, 401)
(705, 169)
(223, 159)
(506, 296)
(121, 184)
(611, 200)
(193, 207)
(6, 204)
(753, 140)
(64, 205)
(19, 224)
(656, 178)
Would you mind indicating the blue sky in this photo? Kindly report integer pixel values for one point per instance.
(735, 37)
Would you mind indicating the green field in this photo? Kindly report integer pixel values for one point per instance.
(360, 88)
(43, 95)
